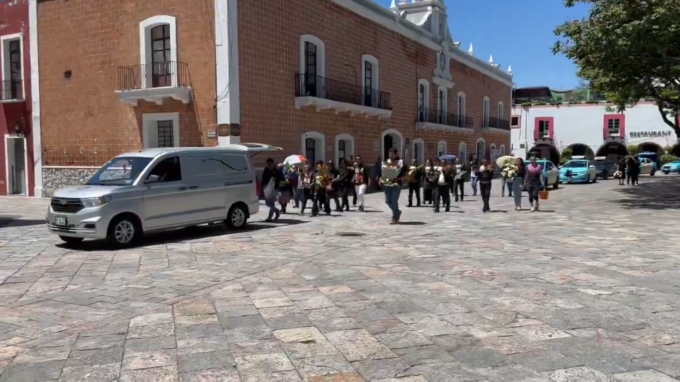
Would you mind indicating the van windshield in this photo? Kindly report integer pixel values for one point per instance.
(119, 171)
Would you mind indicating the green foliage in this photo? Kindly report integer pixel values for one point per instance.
(666, 158)
(632, 150)
(565, 156)
(628, 51)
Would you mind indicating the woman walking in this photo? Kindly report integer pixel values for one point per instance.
(474, 169)
(360, 182)
(485, 175)
(518, 183)
(533, 182)
(393, 173)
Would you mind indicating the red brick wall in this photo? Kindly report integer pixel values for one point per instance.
(83, 112)
(269, 39)
(92, 39)
(13, 20)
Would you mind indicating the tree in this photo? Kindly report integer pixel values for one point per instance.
(628, 50)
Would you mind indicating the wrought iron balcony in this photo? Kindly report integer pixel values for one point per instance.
(498, 123)
(327, 93)
(438, 117)
(12, 90)
(154, 82)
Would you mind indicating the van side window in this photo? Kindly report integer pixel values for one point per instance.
(231, 163)
(168, 170)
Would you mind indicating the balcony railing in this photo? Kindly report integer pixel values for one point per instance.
(12, 90)
(307, 85)
(444, 118)
(154, 75)
(498, 123)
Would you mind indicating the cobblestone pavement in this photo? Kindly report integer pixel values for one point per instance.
(586, 290)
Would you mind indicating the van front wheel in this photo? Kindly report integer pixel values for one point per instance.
(124, 231)
(237, 217)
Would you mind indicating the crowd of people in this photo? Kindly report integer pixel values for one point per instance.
(628, 170)
(322, 187)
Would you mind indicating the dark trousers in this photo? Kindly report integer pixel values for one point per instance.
(459, 189)
(442, 196)
(629, 175)
(333, 195)
(319, 201)
(413, 188)
(635, 178)
(427, 195)
(347, 189)
(485, 190)
(307, 195)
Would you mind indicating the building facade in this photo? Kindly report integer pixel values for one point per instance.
(16, 172)
(326, 79)
(589, 129)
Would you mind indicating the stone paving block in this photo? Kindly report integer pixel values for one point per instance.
(248, 333)
(99, 342)
(357, 345)
(204, 361)
(150, 344)
(30, 372)
(239, 349)
(581, 374)
(382, 368)
(212, 375)
(280, 376)
(263, 363)
(304, 343)
(95, 373)
(94, 357)
(165, 374)
(643, 375)
(325, 367)
(149, 331)
(405, 339)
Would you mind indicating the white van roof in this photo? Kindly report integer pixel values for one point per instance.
(252, 148)
(578, 157)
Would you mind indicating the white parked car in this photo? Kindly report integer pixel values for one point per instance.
(647, 166)
(159, 189)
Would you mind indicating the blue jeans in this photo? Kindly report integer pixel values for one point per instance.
(273, 211)
(297, 197)
(517, 183)
(392, 201)
(473, 183)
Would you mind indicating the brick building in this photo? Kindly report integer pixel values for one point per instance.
(325, 78)
(16, 170)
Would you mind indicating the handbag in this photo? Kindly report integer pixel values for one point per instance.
(270, 190)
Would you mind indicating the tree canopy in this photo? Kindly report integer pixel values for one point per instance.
(628, 50)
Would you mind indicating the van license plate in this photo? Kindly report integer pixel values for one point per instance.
(60, 221)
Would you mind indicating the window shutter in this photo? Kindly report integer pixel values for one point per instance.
(551, 129)
(537, 124)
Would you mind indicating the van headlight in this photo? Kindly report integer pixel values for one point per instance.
(95, 202)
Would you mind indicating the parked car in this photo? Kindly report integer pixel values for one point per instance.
(550, 173)
(671, 167)
(647, 166)
(605, 169)
(159, 189)
(578, 171)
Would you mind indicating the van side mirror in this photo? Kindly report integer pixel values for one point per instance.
(152, 179)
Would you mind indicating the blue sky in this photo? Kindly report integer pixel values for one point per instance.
(517, 33)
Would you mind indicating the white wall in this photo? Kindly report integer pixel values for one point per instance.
(583, 124)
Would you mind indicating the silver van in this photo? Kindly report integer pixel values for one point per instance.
(159, 189)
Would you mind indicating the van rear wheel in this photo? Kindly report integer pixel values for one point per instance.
(237, 217)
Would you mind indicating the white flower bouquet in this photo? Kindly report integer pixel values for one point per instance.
(509, 171)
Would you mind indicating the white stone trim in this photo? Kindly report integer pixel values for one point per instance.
(149, 121)
(426, 96)
(421, 142)
(36, 127)
(486, 111)
(500, 110)
(387, 19)
(145, 48)
(395, 133)
(319, 147)
(4, 43)
(462, 148)
(445, 151)
(375, 85)
(320, 54)
(343, 137)
(26, 163)
(228, 105)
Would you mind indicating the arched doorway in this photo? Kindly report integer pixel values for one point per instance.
(418, 150)
(391, 139)
(344, 148)
(612, 151)
(545, 151)
(314, 146)
(579, 149)
(481, 150)
(651, 147)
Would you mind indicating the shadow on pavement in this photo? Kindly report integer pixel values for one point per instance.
(656, 194)
(16, 221)
(187, 234)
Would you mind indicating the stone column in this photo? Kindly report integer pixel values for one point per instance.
(228, 105)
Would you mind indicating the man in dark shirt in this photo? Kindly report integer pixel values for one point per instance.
(270, 175)
(335, 188)
(485, 175)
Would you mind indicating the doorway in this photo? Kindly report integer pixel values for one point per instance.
(388, 144)
(15, 159)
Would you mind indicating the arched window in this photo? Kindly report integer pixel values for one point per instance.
(312, 65)
(462, 121)
(314, 146)
(462, 152)
(486, 112)
(158, 45)
(423, 100)
(370, 80)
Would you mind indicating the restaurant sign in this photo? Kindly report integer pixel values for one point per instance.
(650, 134)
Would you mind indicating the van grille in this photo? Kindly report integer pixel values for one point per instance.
(66, 205)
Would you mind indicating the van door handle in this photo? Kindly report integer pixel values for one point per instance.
(182, 189)
(193, 187)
